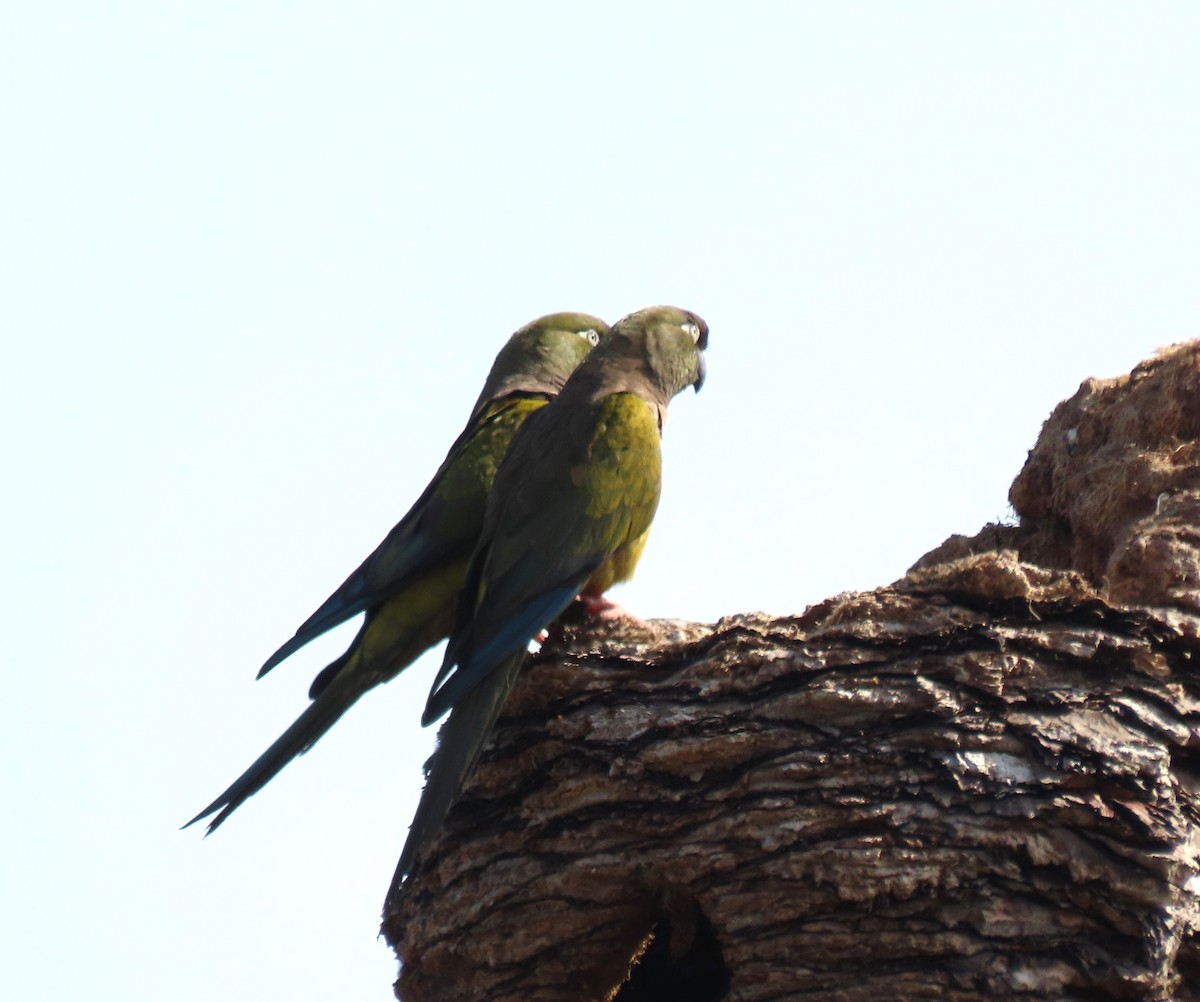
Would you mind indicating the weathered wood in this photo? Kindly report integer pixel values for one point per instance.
(979, 782)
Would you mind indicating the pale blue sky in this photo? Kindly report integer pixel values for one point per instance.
(256, 258)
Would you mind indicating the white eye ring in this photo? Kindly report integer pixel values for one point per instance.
(692, 329)
(591, 336)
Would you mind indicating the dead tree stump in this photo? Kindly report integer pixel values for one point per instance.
(982, 781)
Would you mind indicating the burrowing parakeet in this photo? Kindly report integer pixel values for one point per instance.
(568, 515)
(408, 586)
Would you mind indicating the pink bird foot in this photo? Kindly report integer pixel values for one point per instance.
(604, 608)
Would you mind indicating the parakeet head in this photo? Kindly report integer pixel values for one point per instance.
(541, 356)
(655, 352)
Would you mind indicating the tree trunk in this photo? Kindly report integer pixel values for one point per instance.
(979, 782)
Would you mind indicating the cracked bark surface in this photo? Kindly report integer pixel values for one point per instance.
(981, 781)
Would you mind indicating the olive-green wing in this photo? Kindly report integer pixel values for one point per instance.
(441, 526)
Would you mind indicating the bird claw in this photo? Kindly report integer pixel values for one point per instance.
(605, 609)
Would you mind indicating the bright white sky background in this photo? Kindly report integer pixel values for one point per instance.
(256, 258)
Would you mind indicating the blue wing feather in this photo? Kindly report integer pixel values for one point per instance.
(464, 672)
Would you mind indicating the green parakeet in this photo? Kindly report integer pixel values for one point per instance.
(568, 515)
(409, 586)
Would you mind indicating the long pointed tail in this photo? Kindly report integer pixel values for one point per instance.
(307, 729)
(461, 740)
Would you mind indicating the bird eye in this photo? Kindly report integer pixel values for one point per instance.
(591, 336)
(692, 330)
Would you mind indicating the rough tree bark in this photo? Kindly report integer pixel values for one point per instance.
(981, 781)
